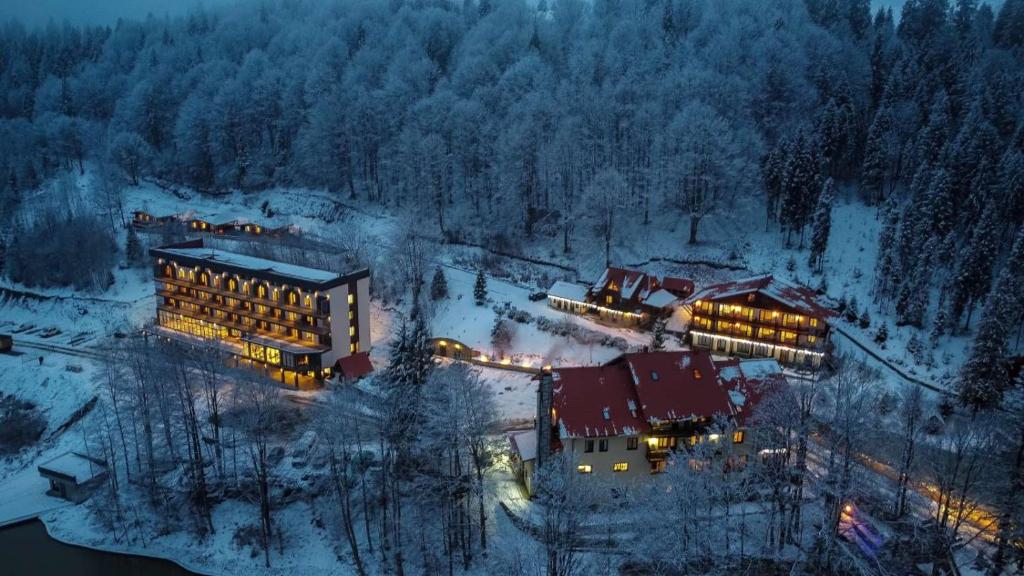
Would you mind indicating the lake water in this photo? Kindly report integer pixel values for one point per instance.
(27, 549)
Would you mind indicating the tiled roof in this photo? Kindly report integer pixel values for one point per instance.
(677, 285)
(629, 394)
(596, 401)
(354, 366)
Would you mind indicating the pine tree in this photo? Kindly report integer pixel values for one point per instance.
(882, 334)
(973, 276)
(801, 185)
(852, 311)
(133, 248)
(658, 333)
(985, 375)
(885, 265)
(772, 175)
(480, 289)
(439, 285)
(865, 319)
(876, 157)
(822, 225)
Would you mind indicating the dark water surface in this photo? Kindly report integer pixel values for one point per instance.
(27, 549)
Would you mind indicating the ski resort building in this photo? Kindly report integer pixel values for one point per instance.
(628, 417)
(621, 296)
(761, 317)
(298, 323)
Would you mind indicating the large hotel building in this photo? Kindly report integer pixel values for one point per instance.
(296, 322)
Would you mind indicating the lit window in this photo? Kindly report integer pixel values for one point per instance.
(584, 469)
(351, 298)
(620, 467)
(352, 332)
(814, 322)
(608, 299)
(737, 437)
(812, 339)
(696, 374)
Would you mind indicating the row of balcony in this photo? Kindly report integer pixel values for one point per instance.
(321, 329)
(239, 326)
(317, 305)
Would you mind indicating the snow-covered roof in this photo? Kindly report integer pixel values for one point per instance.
(194, 252)
(525, 443)
(798, 298)
(74, 466)
(215, 256)
(660, 299)
(568, 291)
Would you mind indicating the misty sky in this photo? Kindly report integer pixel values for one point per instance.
(38, 12)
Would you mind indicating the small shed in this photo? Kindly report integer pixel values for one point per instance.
(524, 456)
(73, 476)
(6, 342)
(353, 366)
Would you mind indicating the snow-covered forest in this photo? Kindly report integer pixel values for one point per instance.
(565, 135)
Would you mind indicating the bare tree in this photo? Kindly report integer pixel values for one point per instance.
(259, 407)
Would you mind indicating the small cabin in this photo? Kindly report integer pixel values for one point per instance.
(73, 476)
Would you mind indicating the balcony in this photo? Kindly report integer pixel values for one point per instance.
(244, 329)
(158, 277)
(321, 329)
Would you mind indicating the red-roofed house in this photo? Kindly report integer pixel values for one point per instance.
(626, 417)
(761, 317)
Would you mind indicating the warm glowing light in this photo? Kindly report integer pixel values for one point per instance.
(506, 361)
(652, 442)
(458, 346)
(547, 367)
(483, 358)
(443, 343)
(713, 437)
(526, 363)
(848, 509)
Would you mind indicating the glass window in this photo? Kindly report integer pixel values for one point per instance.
(620, 467)
(584, 469)
(603, 445)
(273, 356)
(588, 445)
(737, 437)
(632, 443)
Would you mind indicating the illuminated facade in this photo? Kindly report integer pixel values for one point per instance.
(293, 320)
(620, 296)
(761, 317)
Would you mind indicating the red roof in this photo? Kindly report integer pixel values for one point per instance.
(354, 366)
(748, 381)
(678, 385)
(677, 285)
(799, 298)
(596, 401)
(629, 394)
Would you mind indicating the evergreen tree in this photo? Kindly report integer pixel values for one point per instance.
(772, 175)
(822, 225)
(439, 285)
(133, 248)
(801, 184)
(480, 288)
(1009, 28)
(886, 264)
(865, 319)
(882, 334)
(973, 276)
(658, 333)
(875, 167)
(985, 375)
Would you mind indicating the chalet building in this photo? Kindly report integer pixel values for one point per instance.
(621, 296)
(207, 224)
(626, 418)
(300, 324)
(761, 317)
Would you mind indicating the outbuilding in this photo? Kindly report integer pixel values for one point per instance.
(73, 476)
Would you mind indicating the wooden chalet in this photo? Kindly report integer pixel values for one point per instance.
(761, 317)
(621, 296)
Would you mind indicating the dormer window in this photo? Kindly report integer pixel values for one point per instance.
(607, 413)
(654, 376)
(696, 374)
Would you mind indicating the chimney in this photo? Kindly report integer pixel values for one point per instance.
(545, 393)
